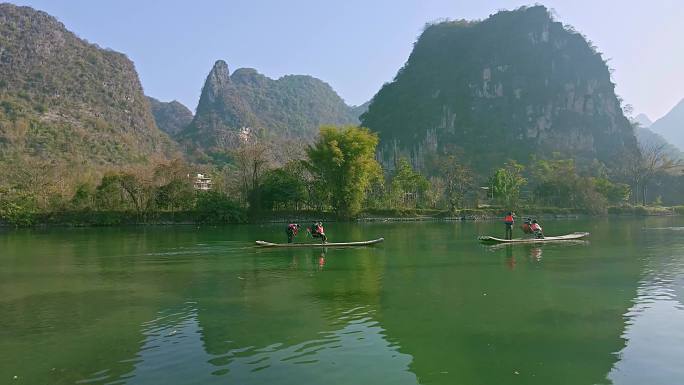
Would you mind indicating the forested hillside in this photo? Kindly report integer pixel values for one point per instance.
(66, 101)
(248, 103)
(514, 85)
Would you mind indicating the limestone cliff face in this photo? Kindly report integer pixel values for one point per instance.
(515, 84)
(233, 107)
(64, 99)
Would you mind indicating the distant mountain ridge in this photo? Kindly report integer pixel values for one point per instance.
(516, 84)
(63, 99)
(671, 126)
(643, 120)
(171, 117)
(648, 138)
(249, 103)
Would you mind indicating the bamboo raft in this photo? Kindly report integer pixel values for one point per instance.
(331, 244)
(567, 237)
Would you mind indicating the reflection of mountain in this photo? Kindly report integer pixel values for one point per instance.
(298, 315)
(180, 305)
(553, 322)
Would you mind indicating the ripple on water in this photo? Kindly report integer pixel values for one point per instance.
(653, 333)
(359, 339)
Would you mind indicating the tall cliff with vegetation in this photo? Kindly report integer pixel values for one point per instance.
(515, 84)
(65, 101)
(245, 103)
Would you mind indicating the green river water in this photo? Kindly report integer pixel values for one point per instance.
(188, 305)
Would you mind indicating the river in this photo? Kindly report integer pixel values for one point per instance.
(200, 305)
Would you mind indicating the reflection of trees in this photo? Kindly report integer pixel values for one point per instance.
(285, 298)
(262, 308)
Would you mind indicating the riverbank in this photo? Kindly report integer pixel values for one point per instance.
(532, 212)
(89, 218)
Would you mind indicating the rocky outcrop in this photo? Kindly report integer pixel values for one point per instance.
(64, 99)
(171, 117)
(515, 84)
(246, 103)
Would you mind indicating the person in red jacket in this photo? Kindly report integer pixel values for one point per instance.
(317, 231)
(292, 230)
(537, 230)
(509, 220)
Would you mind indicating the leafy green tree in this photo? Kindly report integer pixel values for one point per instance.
(108, 194)
(17, 208)
(408, 185)
(173, 188)
(507, 182)
(282, 188)
(343, 162)
(178, 194)
(123, 190)
(135, 190)
(216, 207)
(83, 197)
(614, 193)
(558, 184)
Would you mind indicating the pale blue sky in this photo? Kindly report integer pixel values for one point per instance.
(357, 45)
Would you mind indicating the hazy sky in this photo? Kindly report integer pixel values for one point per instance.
(357, 45)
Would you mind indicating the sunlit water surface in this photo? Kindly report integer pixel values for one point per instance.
(188, 305)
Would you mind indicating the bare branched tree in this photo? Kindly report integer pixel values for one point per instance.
(643, 167)
(655, 161)
(252, 159)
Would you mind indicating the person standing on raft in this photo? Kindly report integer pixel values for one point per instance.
(292, 230)
(509, 220)
(317, 231)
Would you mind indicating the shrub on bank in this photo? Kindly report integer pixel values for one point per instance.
(214, 207)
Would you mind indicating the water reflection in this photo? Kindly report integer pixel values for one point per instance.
(173, 352)
(653, 334)
(359, 343)
(431, 306)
